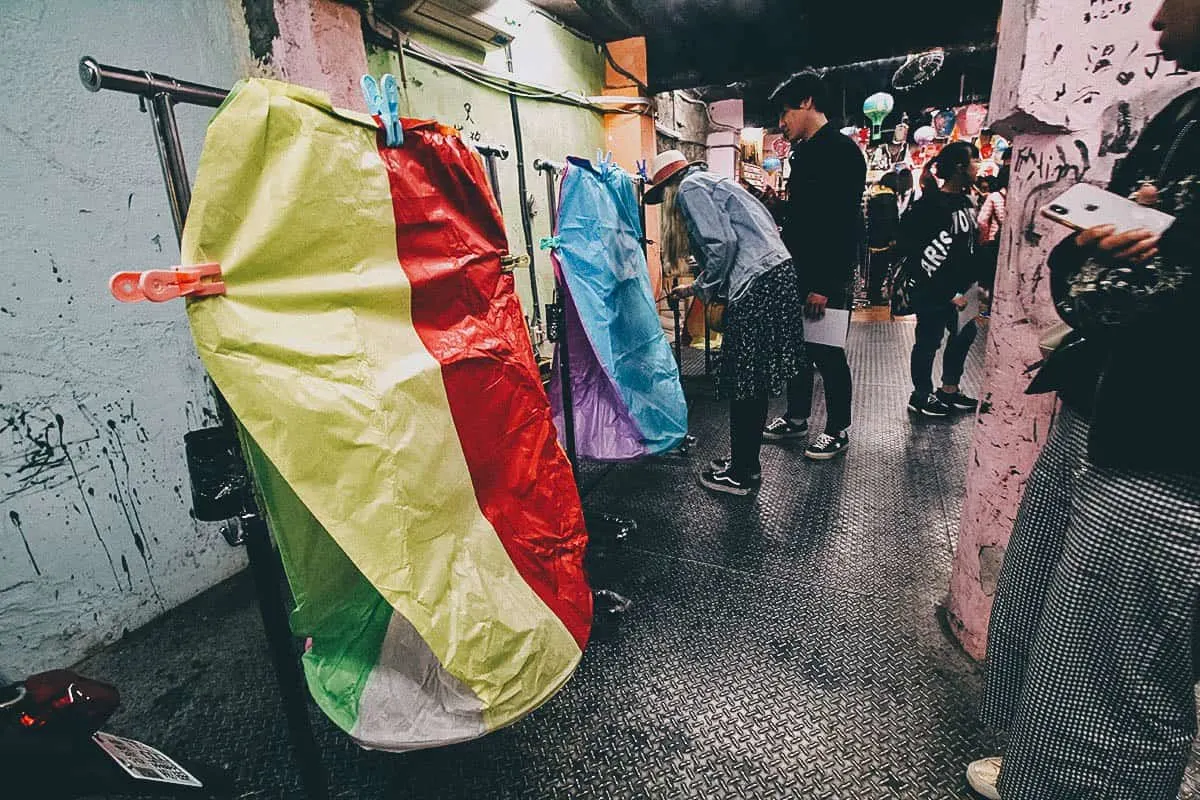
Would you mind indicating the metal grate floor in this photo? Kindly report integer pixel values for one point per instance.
(781, 646)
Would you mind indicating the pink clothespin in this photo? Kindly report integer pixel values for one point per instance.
(160, 285)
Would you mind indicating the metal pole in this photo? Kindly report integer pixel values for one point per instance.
(170, 156)
(526, 222)
(490, 153)
(265, 566)
(97, 76)
(560, 299)
(707, 347)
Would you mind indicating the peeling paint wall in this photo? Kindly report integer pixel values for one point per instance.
(96, 536)
(682, 125)
(320, 45)
(545, 53)
(1075, 83)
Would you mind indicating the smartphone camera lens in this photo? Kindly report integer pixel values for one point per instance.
(1058, 209)
(1091, 207)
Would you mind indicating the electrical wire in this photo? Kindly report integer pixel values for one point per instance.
(721, 126)
(511, 85)
(621, 70)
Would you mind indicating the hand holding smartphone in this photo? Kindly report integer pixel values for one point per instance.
(1117, 227)
(1084, 206)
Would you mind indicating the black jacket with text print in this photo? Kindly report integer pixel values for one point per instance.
(938, 239)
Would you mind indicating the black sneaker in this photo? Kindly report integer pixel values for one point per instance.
(928, 405)
(722, 464)
(723, 481)
(827, 446)
(783, 428)
(958, 401)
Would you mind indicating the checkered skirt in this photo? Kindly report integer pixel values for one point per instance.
(1090, 663)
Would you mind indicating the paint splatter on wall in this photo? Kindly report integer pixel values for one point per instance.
(1075, 84)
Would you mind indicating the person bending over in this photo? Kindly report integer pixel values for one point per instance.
(743, 265)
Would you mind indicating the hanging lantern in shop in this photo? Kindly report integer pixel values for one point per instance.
(772, 165)
(969, 120)
(900, 134)
(863, 137)
(924, 135)
(850, 131)
(1000, 145)
(986, 143)
(943, 122)
(877, 107)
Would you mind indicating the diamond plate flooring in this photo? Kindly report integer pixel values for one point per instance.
(781, 646)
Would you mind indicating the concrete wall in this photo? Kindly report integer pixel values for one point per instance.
(723, 143)
(95, 532)
(1075, 84)
(682, 125)
(543, 52)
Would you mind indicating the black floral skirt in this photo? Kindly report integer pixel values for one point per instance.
(763, 344)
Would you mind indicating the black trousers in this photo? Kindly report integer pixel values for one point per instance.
(746, 421)
(933, 323)
(835, 373)
(879, 267)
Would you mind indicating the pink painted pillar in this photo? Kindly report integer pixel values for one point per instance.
(1068, 121)
(320, 45)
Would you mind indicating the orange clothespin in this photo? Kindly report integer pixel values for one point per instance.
(160, 285)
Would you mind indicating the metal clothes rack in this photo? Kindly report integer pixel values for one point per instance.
(163, 93)
(215, 459)
(598, 524)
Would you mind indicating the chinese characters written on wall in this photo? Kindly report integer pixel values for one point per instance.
(1112, 48)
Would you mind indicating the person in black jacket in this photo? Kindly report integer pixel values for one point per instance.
(883, 229)
(823, 230)
(938, 239)
(1093, 646)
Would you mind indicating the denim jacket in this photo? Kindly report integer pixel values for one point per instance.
(732, 234)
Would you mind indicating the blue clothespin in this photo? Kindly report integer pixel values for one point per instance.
(604, 161)
(391, 97)
(641, 168)
(385, 104)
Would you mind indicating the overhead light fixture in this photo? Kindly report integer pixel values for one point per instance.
(918, 69)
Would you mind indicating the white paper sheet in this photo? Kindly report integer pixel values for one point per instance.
(144, 762)
(974, 296)
(830, 329)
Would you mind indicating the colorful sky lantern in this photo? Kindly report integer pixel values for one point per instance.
(877, 107)
(924, 135)
(772, 165)
(943, 122)
(969, 120)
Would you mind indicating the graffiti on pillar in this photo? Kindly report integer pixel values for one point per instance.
(1040, 166)
(1093, 51)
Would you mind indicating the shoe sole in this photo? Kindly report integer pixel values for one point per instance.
(756, 478)
(825, 456)
(720, 487)
(782, 437)
(926, 412)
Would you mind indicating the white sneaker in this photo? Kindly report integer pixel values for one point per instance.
(982, 776)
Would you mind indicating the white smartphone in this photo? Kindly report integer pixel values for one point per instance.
(1084, 206)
